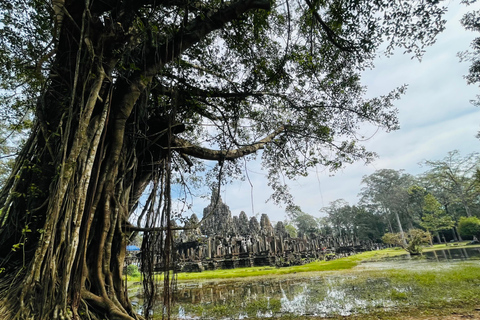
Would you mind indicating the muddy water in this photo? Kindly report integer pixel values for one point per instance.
(321, 294)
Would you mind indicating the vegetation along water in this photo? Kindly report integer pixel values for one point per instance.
(384, 284)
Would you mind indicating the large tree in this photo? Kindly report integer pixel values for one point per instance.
(455, 175)
(387, 189)
(434, 218)
(128, 94)
(357, 221)
(340, 217)
(305, 223)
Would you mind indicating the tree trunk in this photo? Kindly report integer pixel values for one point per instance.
(94, 149)
(465, 205)
(438, 237)
(454, 234)
(458, 234)
(400, 228)
(68, 204)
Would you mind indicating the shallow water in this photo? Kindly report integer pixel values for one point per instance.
(432, 260)
(320, 294)
(453, 254)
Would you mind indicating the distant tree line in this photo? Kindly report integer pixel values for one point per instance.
(443, 201)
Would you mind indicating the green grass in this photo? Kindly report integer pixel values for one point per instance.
(332, 265)
(267, 271)
(317, 266)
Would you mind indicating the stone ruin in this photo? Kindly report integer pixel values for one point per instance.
(226, 242)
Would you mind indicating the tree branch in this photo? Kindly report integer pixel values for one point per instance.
(156, 57)
(197, 29)
(185, 147)
(329, 32)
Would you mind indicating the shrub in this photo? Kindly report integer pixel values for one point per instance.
(132, 270)
(469, 227)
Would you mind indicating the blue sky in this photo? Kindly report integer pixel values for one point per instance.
(435, 114)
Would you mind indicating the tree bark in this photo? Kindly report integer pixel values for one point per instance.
(67, 203)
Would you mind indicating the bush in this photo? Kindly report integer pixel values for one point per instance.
(469, 227)
(132, 270)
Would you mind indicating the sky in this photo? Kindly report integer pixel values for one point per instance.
(436, 116)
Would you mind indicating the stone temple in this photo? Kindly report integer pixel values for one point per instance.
(223, 241)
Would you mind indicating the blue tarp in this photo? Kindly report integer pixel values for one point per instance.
(133, 248)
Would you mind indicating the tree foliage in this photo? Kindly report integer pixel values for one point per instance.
(305, 223)
(358, 221)
(387, 190)
(129, 96)
(433, 200)
(434, 218)
(291, 230)
(471, 21)
(455, 176)
(415, 238)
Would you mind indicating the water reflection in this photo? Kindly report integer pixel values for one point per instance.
(453, 254)
(317, 295)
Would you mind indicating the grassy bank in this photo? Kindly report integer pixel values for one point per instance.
(317, 266)
(338, 264)
(332, 265)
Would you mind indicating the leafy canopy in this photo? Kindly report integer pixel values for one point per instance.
(292, 68)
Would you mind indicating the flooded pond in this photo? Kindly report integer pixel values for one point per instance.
(318, 294)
